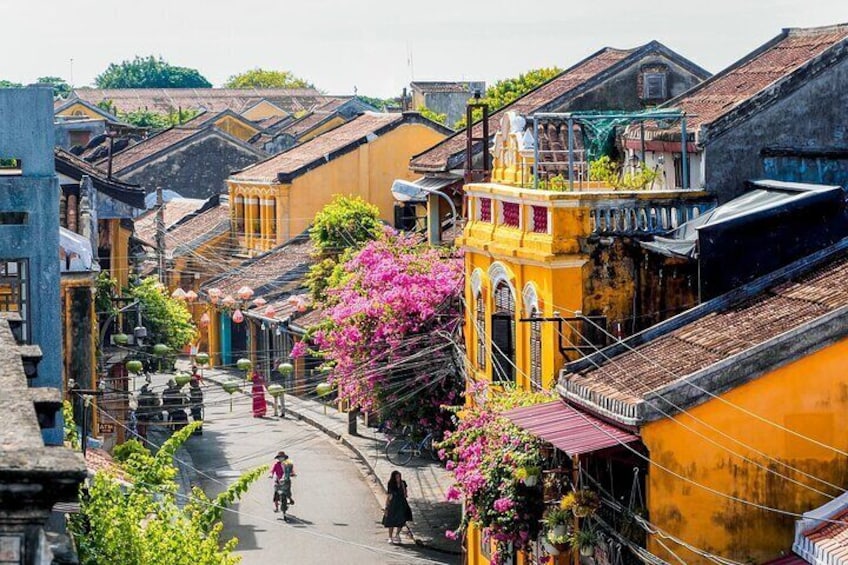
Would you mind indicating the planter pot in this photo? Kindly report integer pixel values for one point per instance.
(559, 530)
(561, 547)
(531, 481)
(587, 551)
(549, 548)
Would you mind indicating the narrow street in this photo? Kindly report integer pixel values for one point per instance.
(336, 511)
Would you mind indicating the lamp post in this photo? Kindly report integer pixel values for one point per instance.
(405, 191)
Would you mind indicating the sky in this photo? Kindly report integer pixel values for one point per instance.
(378, 46)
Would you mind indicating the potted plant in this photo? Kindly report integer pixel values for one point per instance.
(528, 474)
(586, 502)
(560, 542)
(585, 540)
(556, 521)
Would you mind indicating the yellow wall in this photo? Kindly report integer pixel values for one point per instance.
(325, 127)
(264, 110)
(236, 128)
(809, 396)
(368, 171)
(78, 110)
(119, 260)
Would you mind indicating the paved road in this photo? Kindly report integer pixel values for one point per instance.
(336, 515)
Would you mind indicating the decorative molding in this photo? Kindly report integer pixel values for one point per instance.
(531, 299)
(476, 282)
(499, 273)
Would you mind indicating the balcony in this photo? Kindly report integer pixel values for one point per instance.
(545, 211)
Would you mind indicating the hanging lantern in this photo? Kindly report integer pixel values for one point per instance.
(178, 294)
(191, 296)
(323, 389)
(182, 378)
(238, 317)
(228, 301)
(269, 312)
(214, 295)
(244, 364)
(160, 349)
(259, 302)
(121, 339)
(244, 293)
(202, 359)
(204, 319)
(230, 386)
(285, 369)
(134, 366)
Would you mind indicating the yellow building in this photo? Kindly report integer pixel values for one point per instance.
(228, 121)
(537, 260)
(740, 405)
(275, 200)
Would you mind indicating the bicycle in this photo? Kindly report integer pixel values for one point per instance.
(400, 450)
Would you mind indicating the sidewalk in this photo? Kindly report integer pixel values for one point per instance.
(428, 482)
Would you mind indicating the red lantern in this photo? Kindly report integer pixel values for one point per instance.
(228, 301)
(259, 302)
(238, 317)
(191, 296)
(270, 312)
(214, 295)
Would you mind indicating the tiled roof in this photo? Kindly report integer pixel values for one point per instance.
(280, 269)
(781, 56)
(718, 335)
(311, 318)
(149, 147)
(175, 210)
(308, 122)
(74, 167)
(319, 148)
(165, 100)
(99, 461)
(193, 232)
(437, 158)
(440, 86)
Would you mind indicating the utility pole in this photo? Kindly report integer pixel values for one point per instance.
(160, 234)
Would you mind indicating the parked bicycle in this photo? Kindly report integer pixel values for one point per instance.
(400, 450)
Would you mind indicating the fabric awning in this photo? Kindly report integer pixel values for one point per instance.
(567, 428)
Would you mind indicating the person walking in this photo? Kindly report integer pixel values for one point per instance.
(195, 397)
(397, 511)
(258, 392)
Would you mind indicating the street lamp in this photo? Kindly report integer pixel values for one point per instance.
(405, 191)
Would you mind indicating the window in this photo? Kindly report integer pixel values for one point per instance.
(14, 294)
(677, 161)
(503, 335)
(653, 86)
(535, 351)
(481, 331)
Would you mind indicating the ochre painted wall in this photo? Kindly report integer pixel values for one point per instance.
(808, 396)
(78, 110)
(264, 110)
(236, 128)
(323, 128)
(119, 260)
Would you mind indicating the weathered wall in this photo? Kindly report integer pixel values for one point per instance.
(808, 396)
(451, 103)
(197, 170)
(811, 116)
(26, 132)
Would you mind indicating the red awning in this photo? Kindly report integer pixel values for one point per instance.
(567, 428)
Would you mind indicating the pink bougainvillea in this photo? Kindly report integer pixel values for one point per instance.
(389, 331)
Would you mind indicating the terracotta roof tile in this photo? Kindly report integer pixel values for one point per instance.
(311, 318)
(317, 148)
(149, 147)
(437, 158)
(195, 231)
(280, 269)
(175, 210)
(718, 95)
(307, 123)
(164, 100)
(717, 336)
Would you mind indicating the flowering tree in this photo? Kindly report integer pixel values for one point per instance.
(489, 458)
(387, 333)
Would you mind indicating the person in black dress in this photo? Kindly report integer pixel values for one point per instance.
(397, 511)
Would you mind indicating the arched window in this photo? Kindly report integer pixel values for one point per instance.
(503, 334)
(480, 331)
(535, 350)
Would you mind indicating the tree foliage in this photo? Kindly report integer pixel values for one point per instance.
(168, 320)
(140, 522)
(261, 78)
(508, 90)
(347, 223)
(432, 115)
(61, 89)
(149, 72)
(9, 84)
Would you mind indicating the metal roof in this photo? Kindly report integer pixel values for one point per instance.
(571, 430)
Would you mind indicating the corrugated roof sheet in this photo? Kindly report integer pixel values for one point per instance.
(571, 430)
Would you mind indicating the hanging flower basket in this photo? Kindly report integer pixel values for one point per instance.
(550, 549)
(587, 551)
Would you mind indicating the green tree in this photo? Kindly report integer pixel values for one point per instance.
(345, 224)
(149, 72)
(261, 78)
(154, 120)
(167, 319)
(432, 115)
(508, 90)
(61, 89)
(9, 84)
(140, 522)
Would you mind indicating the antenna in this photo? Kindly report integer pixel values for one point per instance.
(409, 61)
(72, 71)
